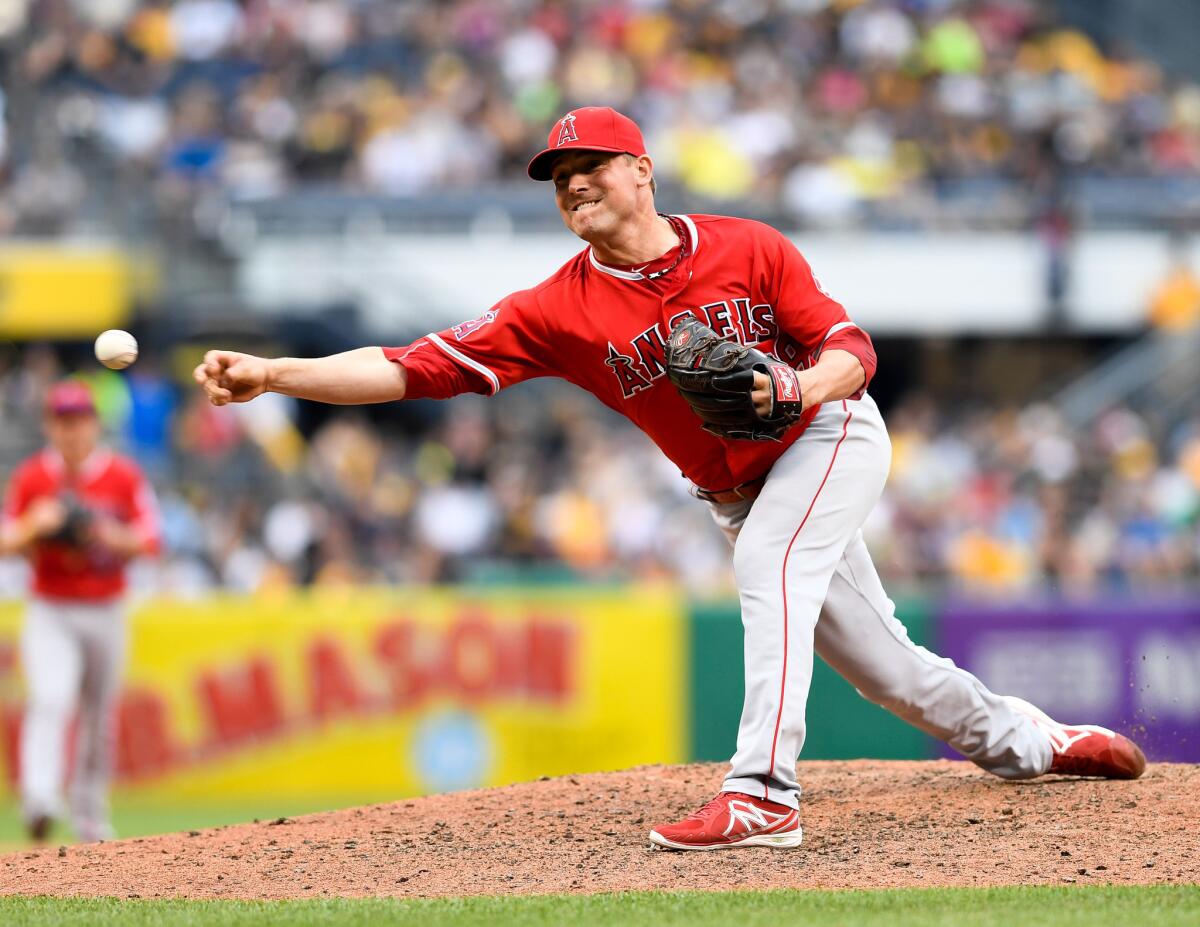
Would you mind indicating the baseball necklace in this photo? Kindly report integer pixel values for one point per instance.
(678, 228)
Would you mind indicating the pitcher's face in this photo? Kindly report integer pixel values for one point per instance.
(596, 191)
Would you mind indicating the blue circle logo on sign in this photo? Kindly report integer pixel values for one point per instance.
(451, 751)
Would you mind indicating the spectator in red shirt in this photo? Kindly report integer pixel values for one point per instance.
(79, 513)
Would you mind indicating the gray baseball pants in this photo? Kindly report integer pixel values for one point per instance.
(806, 582)
(73, 655)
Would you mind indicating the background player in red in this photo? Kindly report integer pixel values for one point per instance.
(793, 508)
(79, 513)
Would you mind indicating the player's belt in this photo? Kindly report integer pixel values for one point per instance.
(743, 492)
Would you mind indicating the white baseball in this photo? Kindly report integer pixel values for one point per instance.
(116, 349)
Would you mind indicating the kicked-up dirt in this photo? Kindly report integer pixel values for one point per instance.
(867, 825)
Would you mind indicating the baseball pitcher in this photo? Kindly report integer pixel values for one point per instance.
(713, 336)
(78, 512)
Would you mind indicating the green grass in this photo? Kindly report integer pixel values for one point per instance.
(1157, 906)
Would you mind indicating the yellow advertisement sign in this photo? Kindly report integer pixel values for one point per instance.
(66, 291)
(386, 693)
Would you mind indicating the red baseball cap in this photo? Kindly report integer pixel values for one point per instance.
(70, 397)
(589, 128)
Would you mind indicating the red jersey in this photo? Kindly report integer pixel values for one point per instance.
(605, 328)
(108, 484)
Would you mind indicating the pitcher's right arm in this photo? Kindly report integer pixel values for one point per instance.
(363, 375)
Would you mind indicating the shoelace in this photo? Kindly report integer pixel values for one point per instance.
(717, 804)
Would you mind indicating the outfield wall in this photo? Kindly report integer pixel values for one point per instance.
(841, 724)
(1129, 663)
(379, 694)
(376, 694)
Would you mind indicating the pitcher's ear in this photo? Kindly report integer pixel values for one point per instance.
(645, 169)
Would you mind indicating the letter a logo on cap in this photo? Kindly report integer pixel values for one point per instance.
(567, 134)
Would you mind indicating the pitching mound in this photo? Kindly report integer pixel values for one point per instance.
(867, 825)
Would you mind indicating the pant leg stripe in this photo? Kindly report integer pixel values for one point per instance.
(783, 681)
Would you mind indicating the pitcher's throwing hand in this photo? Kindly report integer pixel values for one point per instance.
(228, 376)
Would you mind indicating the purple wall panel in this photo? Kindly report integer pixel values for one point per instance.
(1133, 666)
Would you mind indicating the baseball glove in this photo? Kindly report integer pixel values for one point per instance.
(76, 528)
(716, 377)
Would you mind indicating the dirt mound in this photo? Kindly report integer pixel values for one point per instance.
(867, 825)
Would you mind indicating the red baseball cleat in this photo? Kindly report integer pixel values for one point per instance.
(731, 820)
(1085, 749)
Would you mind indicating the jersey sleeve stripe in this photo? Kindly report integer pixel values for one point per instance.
(479, 368)
(841, 326)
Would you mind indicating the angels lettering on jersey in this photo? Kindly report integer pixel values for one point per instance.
(605, 329)
(641, 360)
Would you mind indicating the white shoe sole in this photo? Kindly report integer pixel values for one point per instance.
(785, 841)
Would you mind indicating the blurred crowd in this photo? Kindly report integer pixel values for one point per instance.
(541, 483)
(1013, 499)
(820, 107)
